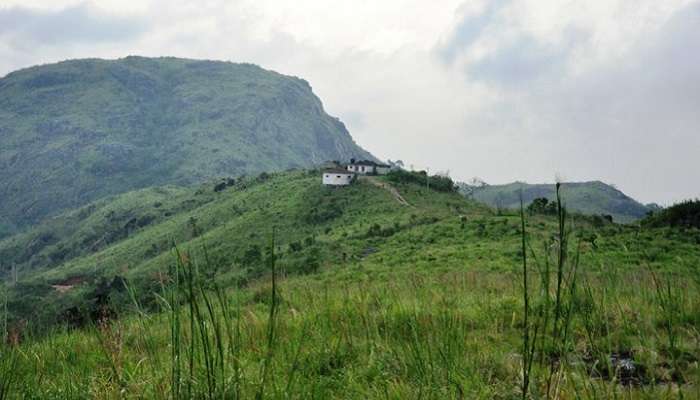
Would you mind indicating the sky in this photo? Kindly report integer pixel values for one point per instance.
(502, 90)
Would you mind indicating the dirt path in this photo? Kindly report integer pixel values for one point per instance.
(386, 186)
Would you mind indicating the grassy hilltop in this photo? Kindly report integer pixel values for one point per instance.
(364, 298)
(79, 130)
(590, 198)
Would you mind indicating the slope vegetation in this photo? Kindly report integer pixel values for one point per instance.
(80, 130)
(371, 298)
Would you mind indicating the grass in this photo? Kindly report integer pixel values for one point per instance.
(441, 335)
(453, 302)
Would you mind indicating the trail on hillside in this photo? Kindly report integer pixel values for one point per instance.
(389, 188)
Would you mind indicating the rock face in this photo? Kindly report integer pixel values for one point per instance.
(79, 130)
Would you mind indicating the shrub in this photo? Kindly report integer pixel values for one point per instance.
(295, 246)
(252, 256)
(542, 205)
(435, 182)
(685, 214)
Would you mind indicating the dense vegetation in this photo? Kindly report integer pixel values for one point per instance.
(590, 198)
(369, 298)
(80, 130)
(685, 214)
(436, 182)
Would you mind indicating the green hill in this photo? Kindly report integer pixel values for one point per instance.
(80, 130)
(131, 235)
(373, 298)
(590, 198)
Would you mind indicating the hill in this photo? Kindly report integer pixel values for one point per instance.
(80, 130)
(372, 298)
(590, 198)
(131, 235)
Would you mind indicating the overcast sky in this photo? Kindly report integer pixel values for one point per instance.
(503, 90)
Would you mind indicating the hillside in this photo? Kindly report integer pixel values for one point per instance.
(590, 198)
(131, 235)
(80, 130)
(373, 298)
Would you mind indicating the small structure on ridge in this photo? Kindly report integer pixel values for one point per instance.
(337, 177)
(367, 167)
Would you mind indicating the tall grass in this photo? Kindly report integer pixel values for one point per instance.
(206, 337)
(547, 330)
(8, 375)
(271, 324)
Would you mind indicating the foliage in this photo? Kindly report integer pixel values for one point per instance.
(433, 307)
(542, 205)
(435, 182)
(684, 214)
(80, 130)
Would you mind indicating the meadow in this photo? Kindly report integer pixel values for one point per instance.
(348, 294)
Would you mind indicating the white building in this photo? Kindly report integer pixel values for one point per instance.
(337, 177)
(366, 167)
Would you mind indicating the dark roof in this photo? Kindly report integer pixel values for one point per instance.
(337, 171)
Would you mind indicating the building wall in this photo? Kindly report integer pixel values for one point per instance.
(361, 169)
(336, 179)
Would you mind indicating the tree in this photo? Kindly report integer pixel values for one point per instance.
(541, 205)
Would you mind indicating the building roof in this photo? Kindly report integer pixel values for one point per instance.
(337, 171)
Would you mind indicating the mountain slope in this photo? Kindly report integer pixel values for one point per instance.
(128, 236)
(368, 290)
(79, 130)
(68, 263)
(590, 198)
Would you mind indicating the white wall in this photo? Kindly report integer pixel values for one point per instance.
(336, 179)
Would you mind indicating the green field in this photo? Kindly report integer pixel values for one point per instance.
(188, 293)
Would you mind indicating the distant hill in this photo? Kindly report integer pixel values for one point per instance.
(590, 198)
(80, 130)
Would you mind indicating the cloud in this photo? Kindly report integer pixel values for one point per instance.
(632, 120)
(501, 89)
(525, 59)
(82, 23)
(469, 29)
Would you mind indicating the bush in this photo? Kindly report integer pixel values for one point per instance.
(252, 256)
(435, 182)
(685, 214)
(542, 205)
(324, 211)
(295, 246)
